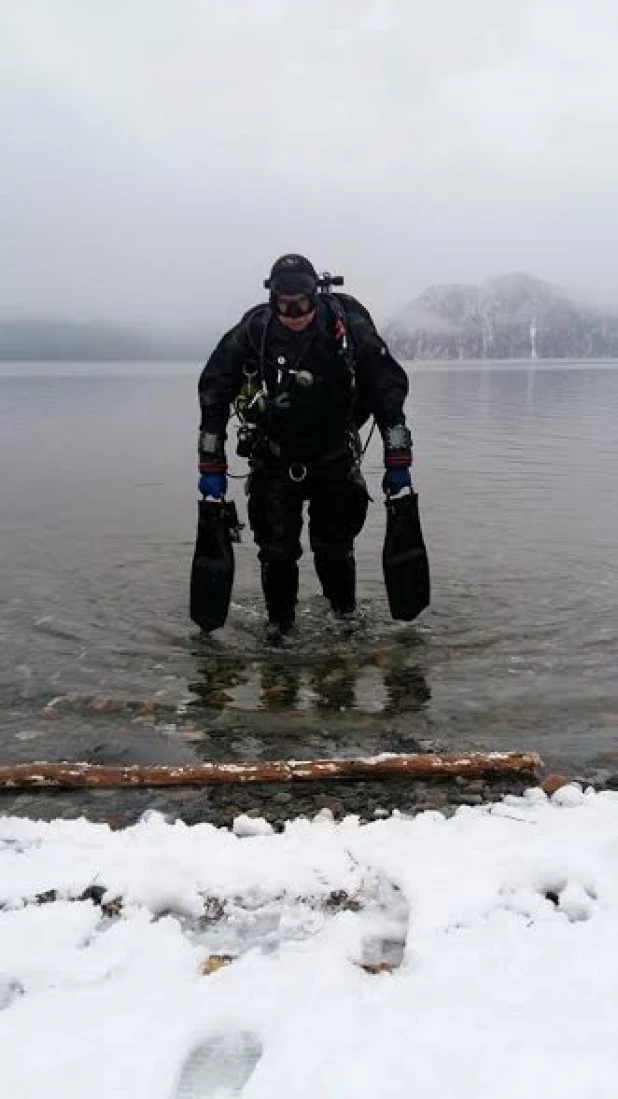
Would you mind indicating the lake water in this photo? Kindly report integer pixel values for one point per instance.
(517, 470)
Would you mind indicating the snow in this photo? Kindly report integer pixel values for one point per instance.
(496, 927)
(245, 825)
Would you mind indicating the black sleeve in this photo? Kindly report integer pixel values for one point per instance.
(218, 387)
(382, 382)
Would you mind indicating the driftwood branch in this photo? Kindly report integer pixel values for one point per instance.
(28, 776)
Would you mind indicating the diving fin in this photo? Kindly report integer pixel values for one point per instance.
(404, 559)
(212, 570)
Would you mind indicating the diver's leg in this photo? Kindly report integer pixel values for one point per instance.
(337, 510)
(275, 514)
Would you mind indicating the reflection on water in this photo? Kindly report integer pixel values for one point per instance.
(381, 682)
(517, 469)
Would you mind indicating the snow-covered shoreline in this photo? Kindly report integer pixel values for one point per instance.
(497, 925)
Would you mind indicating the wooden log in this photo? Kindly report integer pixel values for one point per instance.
(29, 776)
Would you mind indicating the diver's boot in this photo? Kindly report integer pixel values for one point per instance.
(276, 632)
(343, 611)
(280, 586)
(348, 621)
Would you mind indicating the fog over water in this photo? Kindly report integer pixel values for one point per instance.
(157, 157)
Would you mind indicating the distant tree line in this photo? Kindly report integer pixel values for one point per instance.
(33, 339)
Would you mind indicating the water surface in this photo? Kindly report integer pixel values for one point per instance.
(516, 466)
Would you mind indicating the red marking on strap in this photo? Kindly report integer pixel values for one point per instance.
(398, 461)
(212, 467)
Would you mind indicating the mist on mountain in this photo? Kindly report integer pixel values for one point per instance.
(512, 316)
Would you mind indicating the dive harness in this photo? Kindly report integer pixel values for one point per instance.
(253, 399)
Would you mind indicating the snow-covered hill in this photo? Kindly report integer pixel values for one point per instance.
(509, 317)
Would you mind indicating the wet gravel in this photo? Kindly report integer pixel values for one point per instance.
(276, 802)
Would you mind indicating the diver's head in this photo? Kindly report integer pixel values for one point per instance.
(293, 285)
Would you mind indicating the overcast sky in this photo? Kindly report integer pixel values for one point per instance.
(158, 154)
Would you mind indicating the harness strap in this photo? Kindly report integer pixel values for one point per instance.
(323, 460)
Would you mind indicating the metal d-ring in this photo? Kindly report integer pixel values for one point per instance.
(300, 475)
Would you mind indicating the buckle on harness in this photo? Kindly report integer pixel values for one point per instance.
(297, 472)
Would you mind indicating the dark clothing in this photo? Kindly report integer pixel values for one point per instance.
(318, 416)
(307, 421)
(319, 386)
(338, 501)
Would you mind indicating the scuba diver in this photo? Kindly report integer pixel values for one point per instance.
(304, 371)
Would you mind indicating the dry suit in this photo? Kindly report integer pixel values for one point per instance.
(317, 388)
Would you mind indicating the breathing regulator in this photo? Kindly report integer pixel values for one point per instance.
(250, 406)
